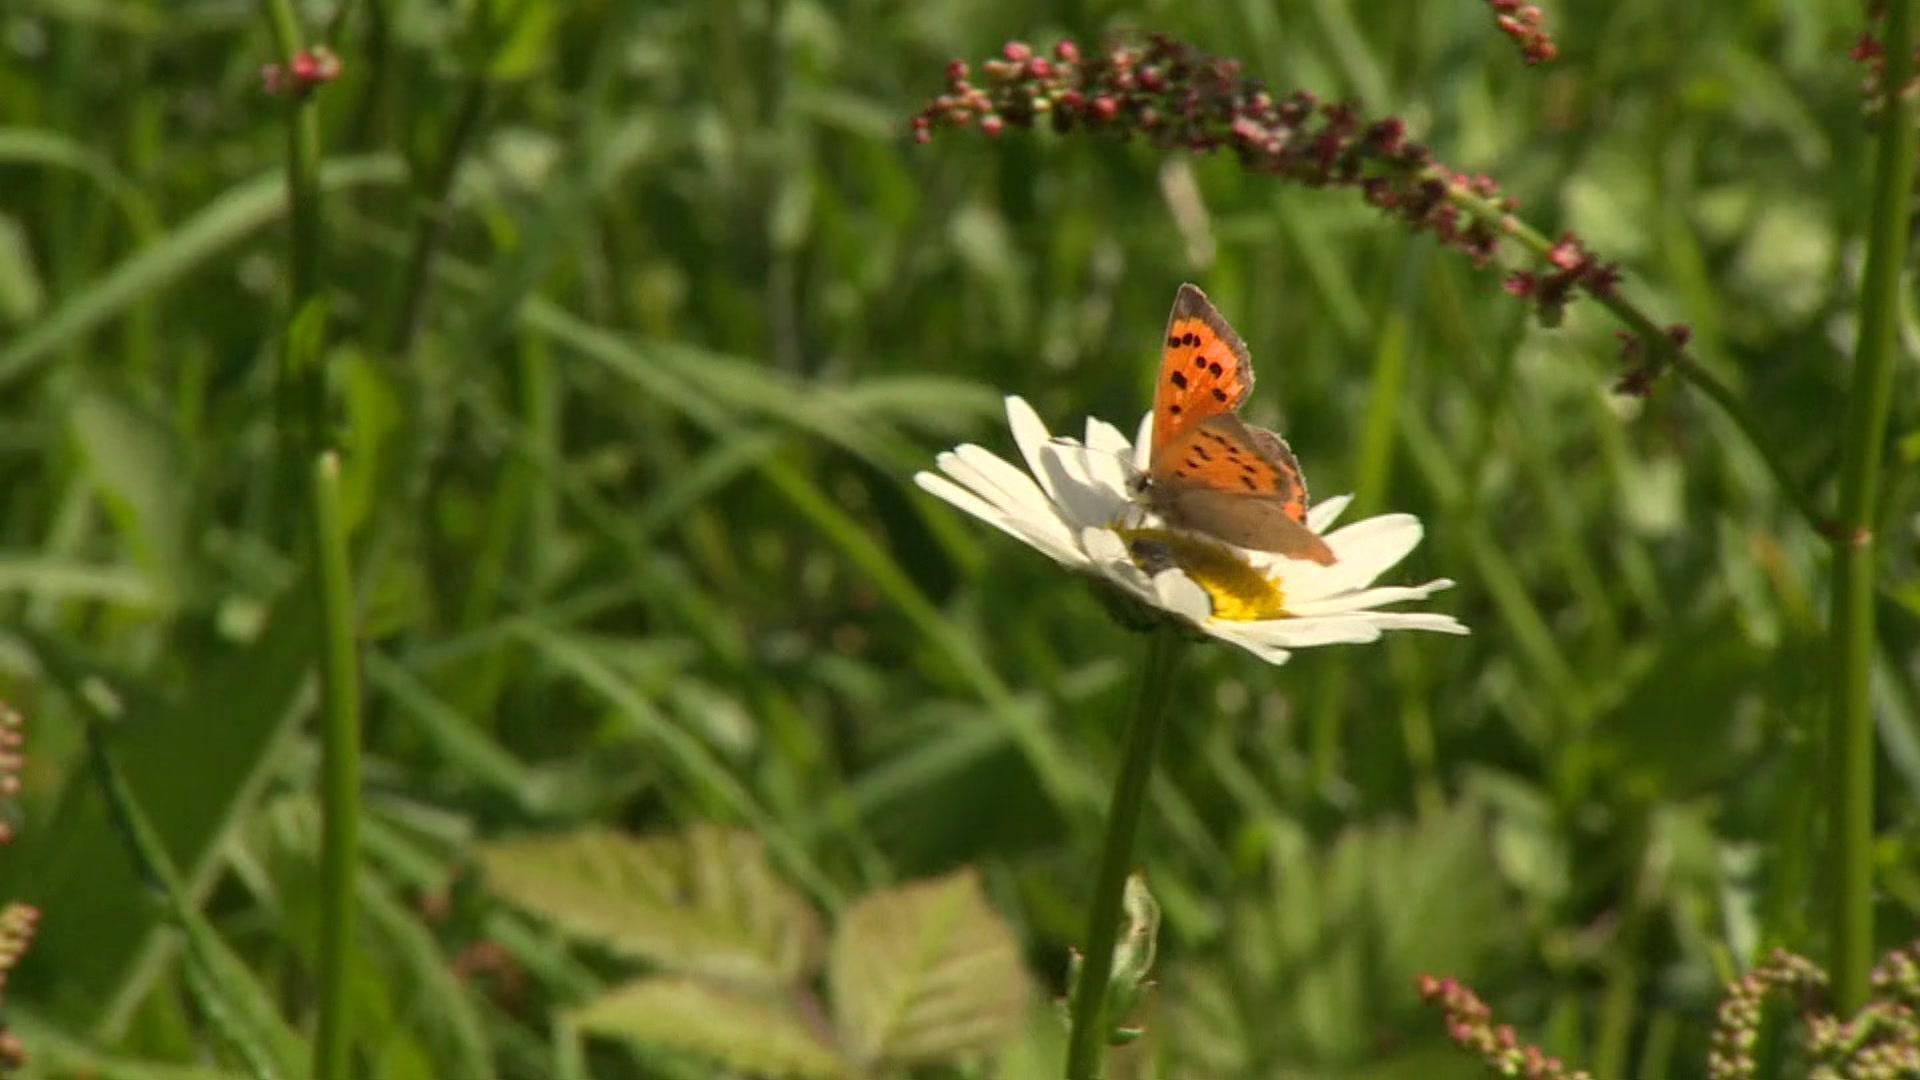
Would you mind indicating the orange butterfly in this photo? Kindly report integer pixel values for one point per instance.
(1209, 471)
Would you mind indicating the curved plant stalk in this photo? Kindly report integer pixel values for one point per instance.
(1850, 731)
(1660, 345)
(1088, 1020)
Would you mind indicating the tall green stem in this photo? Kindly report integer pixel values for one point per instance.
(303, 376)
(339, 768)
(1087, 1037)
(1850, 735)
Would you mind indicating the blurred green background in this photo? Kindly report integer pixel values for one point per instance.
(636, 542)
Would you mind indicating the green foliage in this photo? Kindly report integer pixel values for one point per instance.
(703, 902)
(636, 547)
(744, 1032)
(922, 973)
(925, 972)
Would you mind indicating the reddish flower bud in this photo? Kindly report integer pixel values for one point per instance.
(1067, 52)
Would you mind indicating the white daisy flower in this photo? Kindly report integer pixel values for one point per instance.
(1077, 505)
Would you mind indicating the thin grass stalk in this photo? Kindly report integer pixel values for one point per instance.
(431, 219)
(303, 375)
(1850, 733)
(1088, 1022)
(1374, 456)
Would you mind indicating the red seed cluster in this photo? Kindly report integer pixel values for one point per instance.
(1470, 1025)
(12, 738)
(297, 78)
(1179, 98)
(1880, 1042)
(17, 921)
(1573, 269)
(1870, 53)
(1521, 22)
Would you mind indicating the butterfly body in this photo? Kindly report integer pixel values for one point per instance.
(1208, 471)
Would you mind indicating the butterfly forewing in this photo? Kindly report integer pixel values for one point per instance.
(1205, 370)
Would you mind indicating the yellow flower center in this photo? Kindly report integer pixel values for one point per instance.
(1239, 592)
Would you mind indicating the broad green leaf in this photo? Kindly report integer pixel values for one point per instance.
(745, 1033)
(194, 764)
(224, 987)
(703, 902)
(926, 972)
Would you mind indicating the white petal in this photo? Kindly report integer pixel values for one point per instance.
(1107, 553)
(1303, 633)
(1041, 519)
(1418, 620)
(1364, 550)
(935, 484)
(1103, 544)
(1272, 654)
(1018, 487)
(1050, 541)
(1368, 598)
(1029, 434)
(1143, 443)
(1104, 436)
(1109, 470)
(1179, 594)
(1325, 512)
(1384, 539)
(1112, 456)
(1085, 497)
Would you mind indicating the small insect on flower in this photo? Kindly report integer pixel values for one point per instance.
(1269, 580)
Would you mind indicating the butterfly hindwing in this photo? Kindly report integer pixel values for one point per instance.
(1240, 484)
(1232, 457)
(1259, 522)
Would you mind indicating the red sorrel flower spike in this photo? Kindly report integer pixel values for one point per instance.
(1469, 1023)
(1521, 22)
(1177, 97)
(308, 69)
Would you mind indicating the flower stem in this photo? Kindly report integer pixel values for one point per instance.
(339, 768)
(1087, 1035)
(303, 377)
(1850, 737)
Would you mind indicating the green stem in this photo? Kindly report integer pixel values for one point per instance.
(303, 374)
(299, 372)
(1659, 346)
(339, 768)
(1850, 738)
(1088, 1031)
